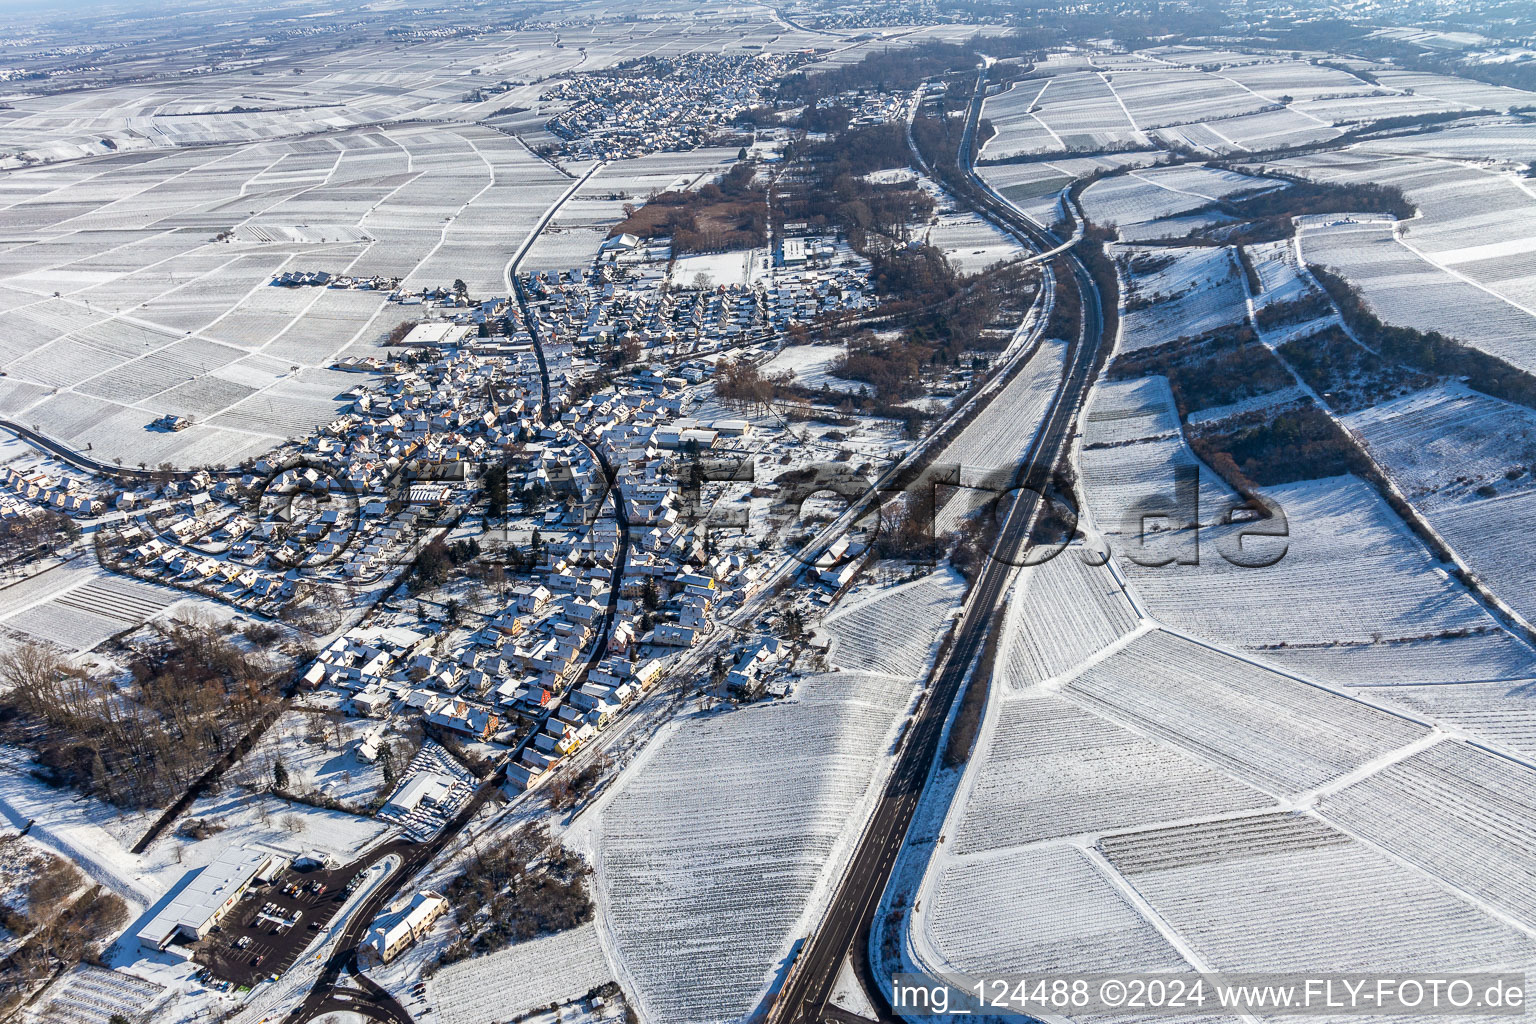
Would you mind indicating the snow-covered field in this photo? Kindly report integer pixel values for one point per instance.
(1407, 290)
(1442, 443)
(1274, 894)
(737, 267)
(1465, 460)
(972, 244)
(808, 364)
(716, 848)
(1060, 612)
(78, 605)
(1199, 292)
(1082, 110)
(1054, 768)
(1152, 203)
(319, 753)
(1034, 188)
(1474, 223)
(1280, 275)
(1037, 908)
(1273, 732)
(522, 978)
(1001, 433)
(1351, 575)
(1497, 537)
(125, 306)
(1467, 814)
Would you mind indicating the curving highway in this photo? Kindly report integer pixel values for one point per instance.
(845, 925)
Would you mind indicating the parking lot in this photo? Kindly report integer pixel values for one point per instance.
(267, 931)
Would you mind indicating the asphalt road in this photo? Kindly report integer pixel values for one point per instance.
(808, 989)
(82, 460)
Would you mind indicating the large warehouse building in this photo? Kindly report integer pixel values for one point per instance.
(204, 901)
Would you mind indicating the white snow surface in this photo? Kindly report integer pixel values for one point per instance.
(719, 844)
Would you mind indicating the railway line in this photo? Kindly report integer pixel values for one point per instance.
(807, 991)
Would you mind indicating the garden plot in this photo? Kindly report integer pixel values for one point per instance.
(1269, 730)
(1404, 289)
(809, 365)
(259, 819)
(1049, 768)
(1465, 815)
(1201, 292)
(93, 995)
(1444, 442)
(1271, 894)
(522, 978)
(89, 607)
(1060, 613)
(1040, 909)
(719, 845)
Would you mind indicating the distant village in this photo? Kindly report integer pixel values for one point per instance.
(659, 103)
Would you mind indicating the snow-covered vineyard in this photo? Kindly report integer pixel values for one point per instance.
(614, 320)
(1188, 763)
(717, 848)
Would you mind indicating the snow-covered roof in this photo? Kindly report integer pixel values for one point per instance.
(207, 895)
